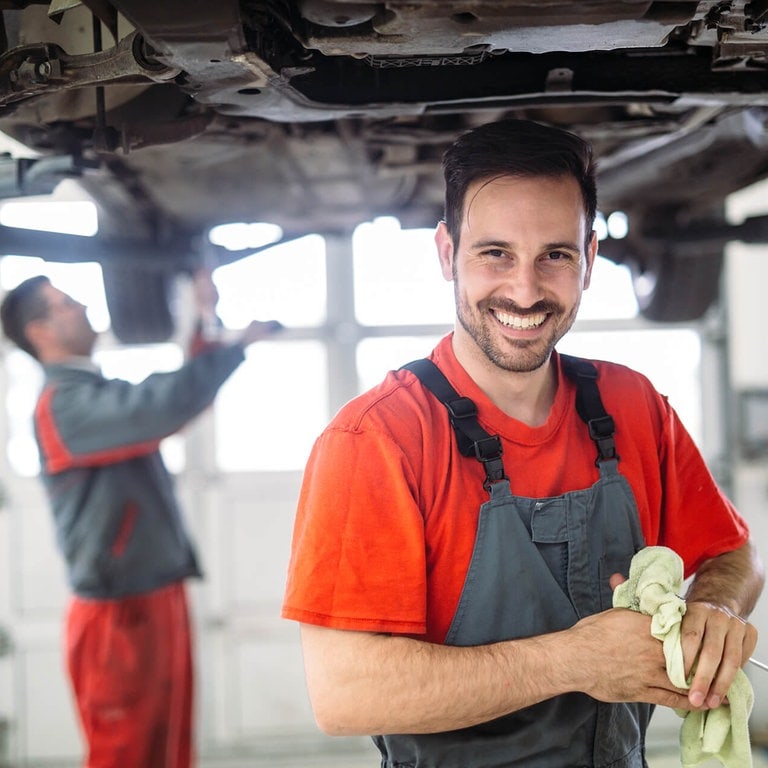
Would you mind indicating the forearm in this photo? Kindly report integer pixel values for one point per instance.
(362, 683)
(733, 580)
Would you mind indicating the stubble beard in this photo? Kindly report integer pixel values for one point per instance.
(513, 355)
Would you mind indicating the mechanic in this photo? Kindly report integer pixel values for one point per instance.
(118, 523)
(461, 526)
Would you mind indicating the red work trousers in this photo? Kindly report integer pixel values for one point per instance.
(130, 663)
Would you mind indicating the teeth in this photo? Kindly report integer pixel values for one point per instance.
(520, 322)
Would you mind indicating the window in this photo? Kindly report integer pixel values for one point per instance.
(610, 294)
(75, 217)
(670, 358)
(81, 281)
(24, 379)
(397, 278)
(398, 281)
(394, 309)
(285, 282)
(376, 356)
(272, 408)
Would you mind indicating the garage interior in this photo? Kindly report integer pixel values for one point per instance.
(318, 114)
(252, 705)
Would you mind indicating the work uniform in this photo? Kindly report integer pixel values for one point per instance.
(538, 566)
(398, 530)
(127, 551)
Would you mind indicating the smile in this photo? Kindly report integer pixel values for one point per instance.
(520, 322)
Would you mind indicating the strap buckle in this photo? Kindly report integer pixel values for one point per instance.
(488, 448)
(461, 408)
(471, 438)
(601, 430)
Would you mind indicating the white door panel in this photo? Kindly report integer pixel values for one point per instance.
(249, 659)
(35, 697)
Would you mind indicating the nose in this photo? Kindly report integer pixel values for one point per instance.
(524, 284)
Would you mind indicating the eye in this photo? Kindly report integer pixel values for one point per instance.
(559, 258)
(494, 253)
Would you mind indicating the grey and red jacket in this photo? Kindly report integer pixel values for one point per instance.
(117, 520)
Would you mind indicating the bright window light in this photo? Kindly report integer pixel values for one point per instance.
(670, 358)
(269, 412)
(134, 364)
(600, 226)
(375, 357)
(618, 225)
(15, 148)
(23, 382)
(240, 236)
(610, 293)
(285, 283)
(71, 217)
(81, 281)
(397, 276)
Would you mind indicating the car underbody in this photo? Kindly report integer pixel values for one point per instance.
(318, 115)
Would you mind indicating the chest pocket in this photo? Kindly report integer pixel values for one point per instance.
(547, 525)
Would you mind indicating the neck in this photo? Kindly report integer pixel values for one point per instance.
(527, 397)
(59, 358)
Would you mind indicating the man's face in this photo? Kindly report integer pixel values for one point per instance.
(68, 325)
(520, 268)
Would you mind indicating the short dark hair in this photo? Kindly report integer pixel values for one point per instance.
(515, 148)
(25, 303)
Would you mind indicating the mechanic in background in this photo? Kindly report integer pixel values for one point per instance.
(118, 523)
(453, 578)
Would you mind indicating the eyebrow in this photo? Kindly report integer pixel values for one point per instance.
(554, 246)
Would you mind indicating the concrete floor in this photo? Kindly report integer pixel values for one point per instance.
(352, 753)
(361, 756)
(325, 752)
(662, 759)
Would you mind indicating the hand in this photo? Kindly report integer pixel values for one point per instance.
(615, 580)
(257, 331)
(718, 643)
(621, 661)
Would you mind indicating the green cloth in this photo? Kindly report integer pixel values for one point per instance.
(653, 587)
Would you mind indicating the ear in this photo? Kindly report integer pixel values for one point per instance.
(591, 255)
(444, 250)
(37, 332)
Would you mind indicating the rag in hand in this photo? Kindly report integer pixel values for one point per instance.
(654, 583)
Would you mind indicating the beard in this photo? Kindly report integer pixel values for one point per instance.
(514, 355)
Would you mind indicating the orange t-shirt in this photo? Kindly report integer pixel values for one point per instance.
(388, 509)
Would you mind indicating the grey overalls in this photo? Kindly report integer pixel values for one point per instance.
(538, 566)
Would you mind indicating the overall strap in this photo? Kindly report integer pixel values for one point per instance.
(471, 438)
(589, 406)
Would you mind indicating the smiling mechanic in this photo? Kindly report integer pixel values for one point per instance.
(461, 525)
